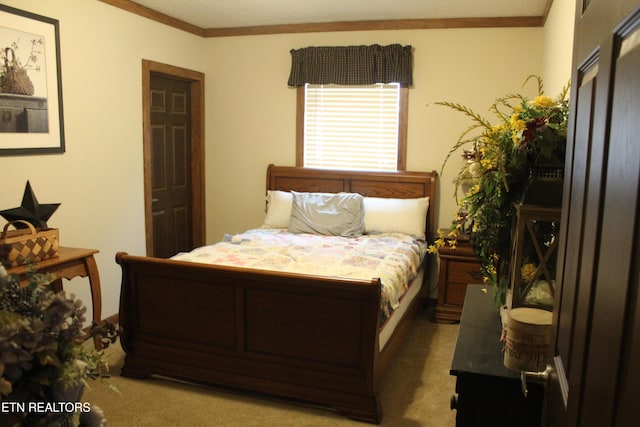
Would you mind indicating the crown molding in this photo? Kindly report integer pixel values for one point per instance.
(399, 24)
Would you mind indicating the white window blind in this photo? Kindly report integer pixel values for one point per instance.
(352, 127)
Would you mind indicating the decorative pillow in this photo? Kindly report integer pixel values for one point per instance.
(331, 214)
(387, 215)
(278, 209)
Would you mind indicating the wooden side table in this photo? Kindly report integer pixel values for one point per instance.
(458, 268)
(71, 262)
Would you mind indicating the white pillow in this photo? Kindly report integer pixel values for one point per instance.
(388, 215)
(278, 209)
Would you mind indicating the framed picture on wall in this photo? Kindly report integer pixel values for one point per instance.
(31, 119)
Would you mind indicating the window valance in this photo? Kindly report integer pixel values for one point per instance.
(352, 65)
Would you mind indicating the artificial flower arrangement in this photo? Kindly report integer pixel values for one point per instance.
(44, 363)
(500, 165)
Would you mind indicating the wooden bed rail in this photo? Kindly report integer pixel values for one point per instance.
(300, 337)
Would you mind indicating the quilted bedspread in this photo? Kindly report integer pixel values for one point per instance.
(392, 257)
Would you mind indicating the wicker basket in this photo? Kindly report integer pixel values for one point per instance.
(23, 246)
(14, 77)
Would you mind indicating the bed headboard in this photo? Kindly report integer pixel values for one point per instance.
(400, 184)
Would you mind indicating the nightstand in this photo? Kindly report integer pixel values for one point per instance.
(458, 268)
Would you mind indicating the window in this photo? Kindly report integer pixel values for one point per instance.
(352, 127)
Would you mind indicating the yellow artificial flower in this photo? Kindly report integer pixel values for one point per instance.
(494, 258)
(433, 248)
(473, 190)
(517, 127)
(542, 101)
(527, 271)
(497, 129)
(516, 122)
(488, 163)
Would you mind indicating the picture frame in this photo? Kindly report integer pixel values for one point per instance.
(31, 113)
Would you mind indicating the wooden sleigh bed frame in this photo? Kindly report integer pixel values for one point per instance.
(302, 337)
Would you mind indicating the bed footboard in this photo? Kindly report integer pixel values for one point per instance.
(301, 337)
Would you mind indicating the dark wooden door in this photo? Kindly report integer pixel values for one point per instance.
(170, 165)
(595, 371)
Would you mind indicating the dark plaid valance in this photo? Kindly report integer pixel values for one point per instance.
(352, 65)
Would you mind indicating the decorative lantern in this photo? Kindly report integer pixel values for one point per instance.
(532, 279)
(533, 256)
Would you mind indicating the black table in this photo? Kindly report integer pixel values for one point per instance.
(488, 394)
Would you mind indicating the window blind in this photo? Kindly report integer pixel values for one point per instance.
(351, 127)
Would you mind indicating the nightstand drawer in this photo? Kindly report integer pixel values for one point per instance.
(455, 293)
(463, 272)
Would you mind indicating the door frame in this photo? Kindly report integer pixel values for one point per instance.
(196, 82)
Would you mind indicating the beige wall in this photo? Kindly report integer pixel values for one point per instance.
(99, 178)
(250, 117)
(251, 114)
(558, 45)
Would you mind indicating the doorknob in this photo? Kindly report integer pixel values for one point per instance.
(154, 200)
(535, 377)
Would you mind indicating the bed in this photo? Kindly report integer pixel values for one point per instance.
(307, 337)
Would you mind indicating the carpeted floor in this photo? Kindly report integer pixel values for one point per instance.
(415, 391)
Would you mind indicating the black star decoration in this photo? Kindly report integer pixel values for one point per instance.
(30, 210)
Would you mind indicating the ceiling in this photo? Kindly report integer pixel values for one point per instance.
(217, 14)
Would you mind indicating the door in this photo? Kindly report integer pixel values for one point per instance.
(174, 159)
(170, 166)
(594, 371)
